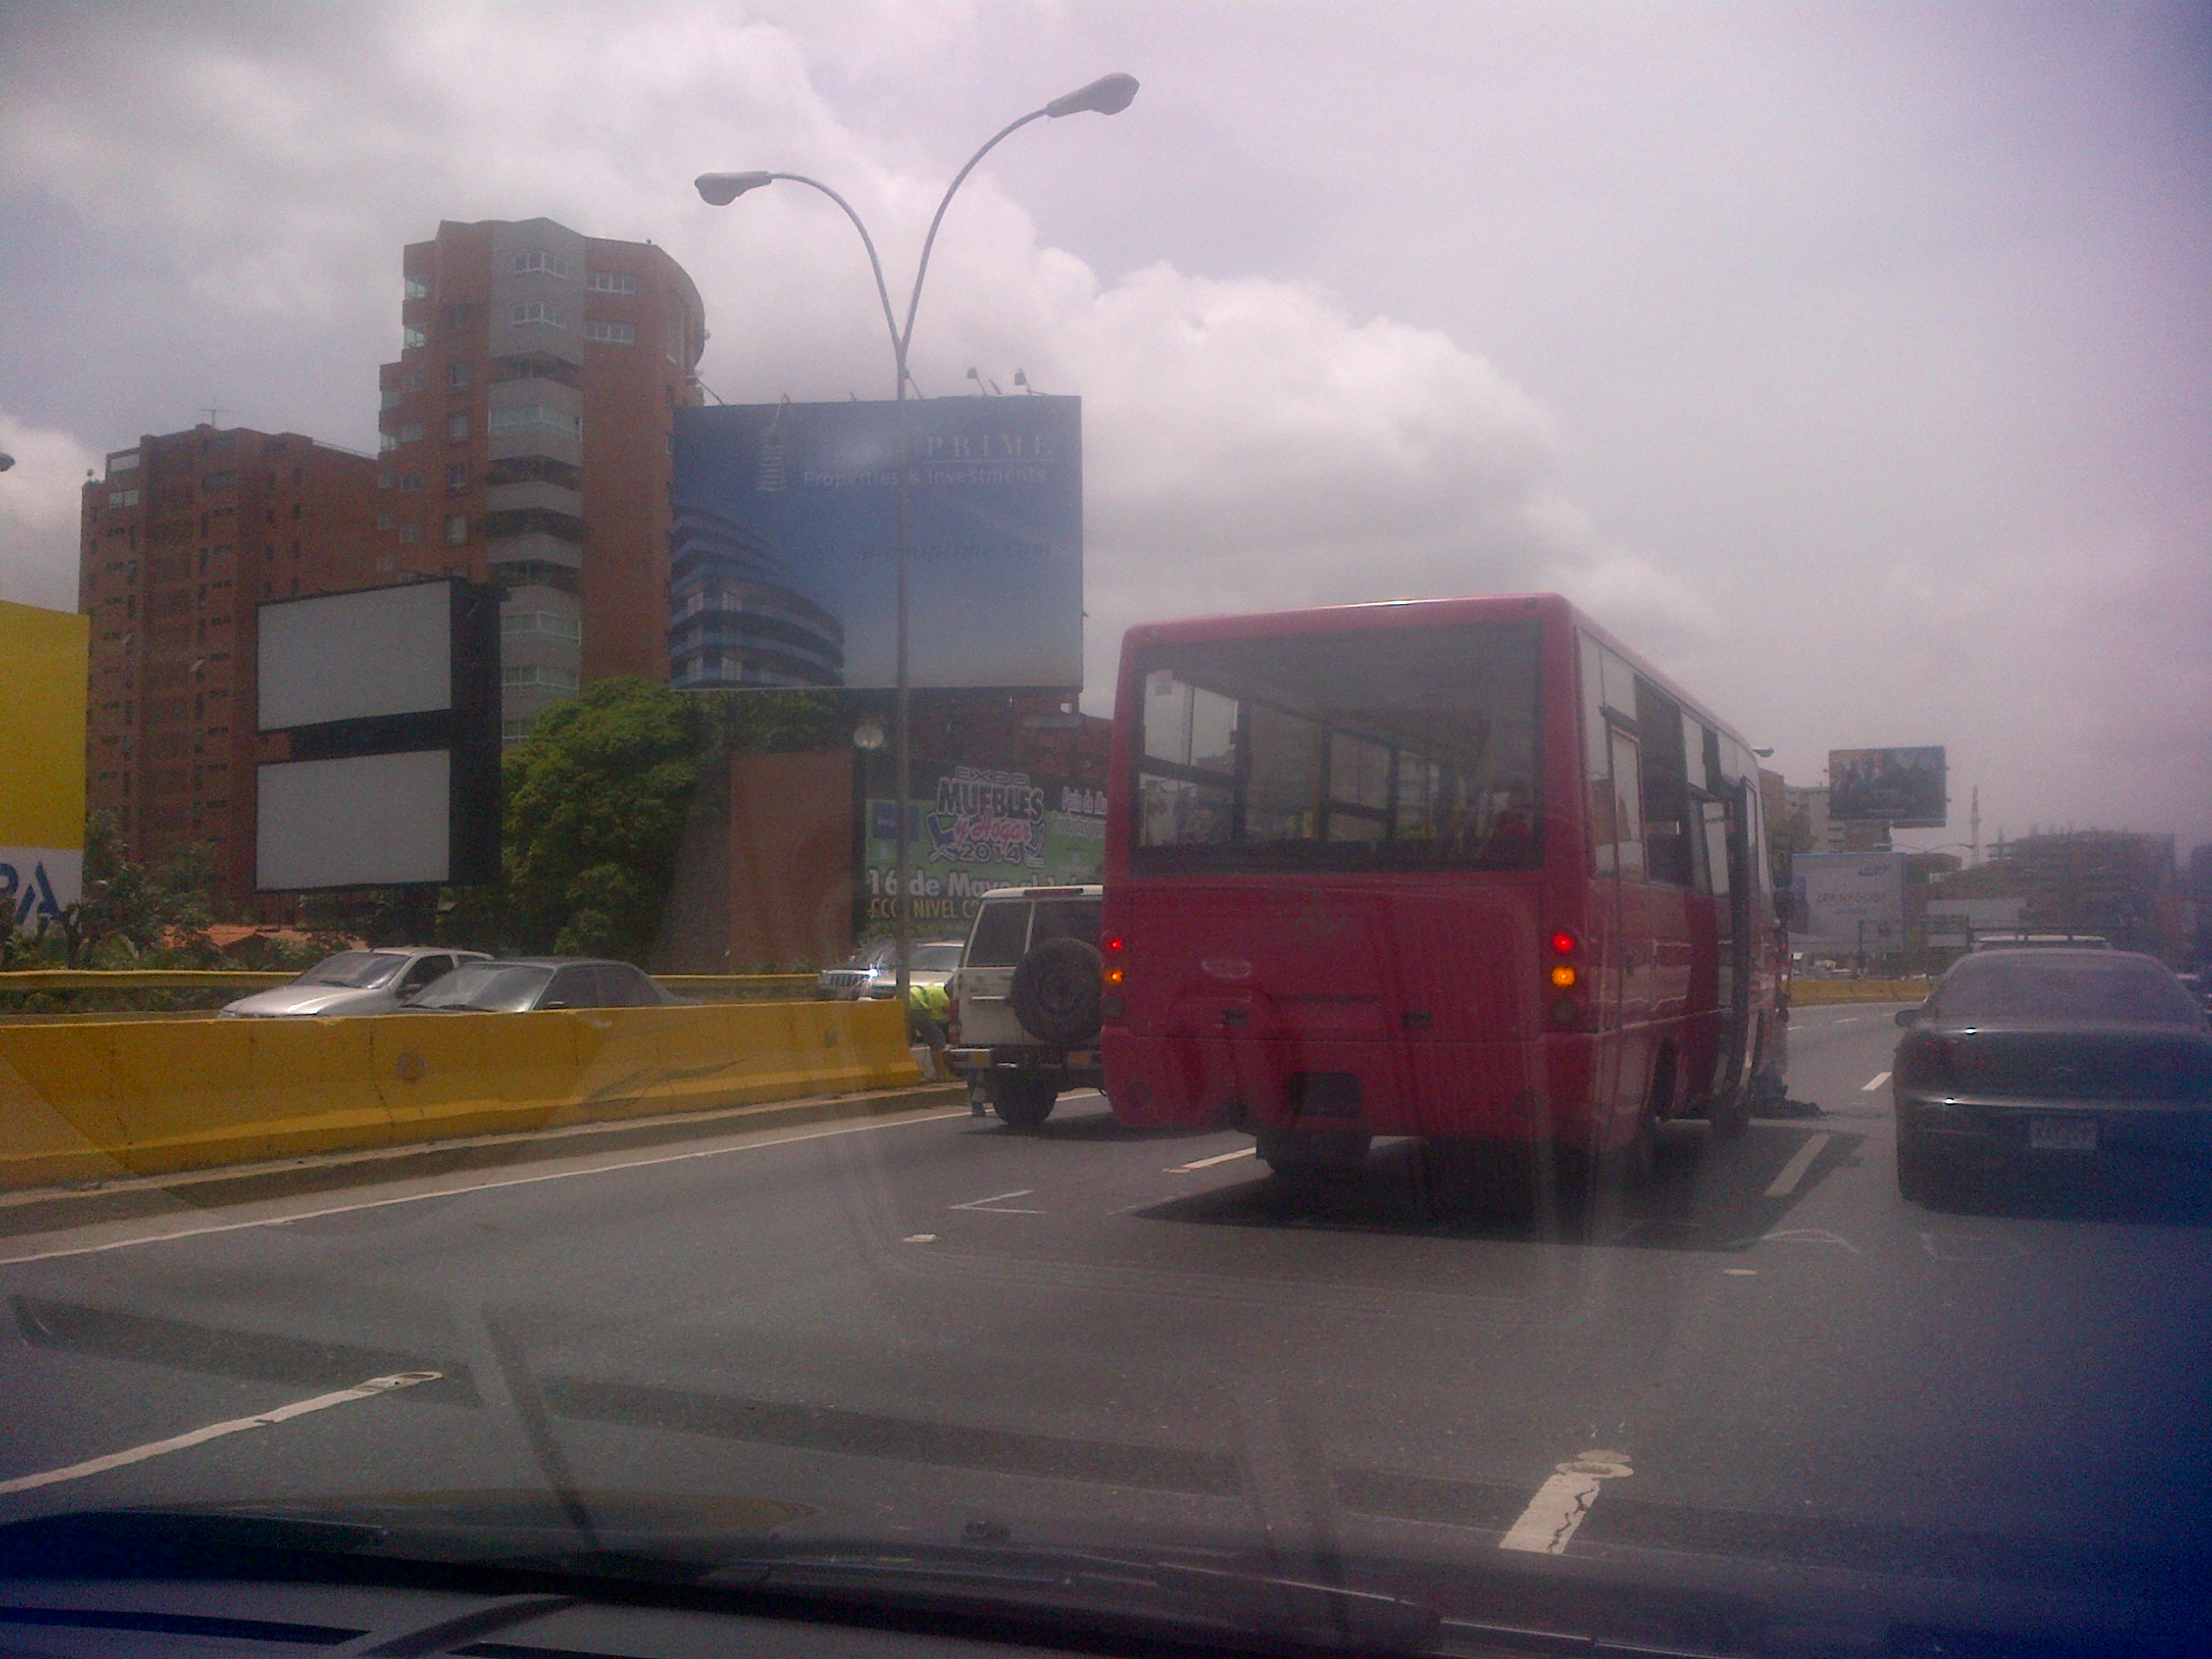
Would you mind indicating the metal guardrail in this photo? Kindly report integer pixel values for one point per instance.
(242, 980)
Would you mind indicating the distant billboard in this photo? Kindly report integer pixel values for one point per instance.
(1852, 900)
(42, 690)
(1906, 789)
(365, 820)
(387, 700)
(782, 556)
(365, 655)
(972, 829)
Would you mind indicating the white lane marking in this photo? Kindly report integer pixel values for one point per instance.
(180, 1233)
(1808, 1235)
(1786, 1179)
(1548, 1524)
(919, 1238)
(1741, 1273)
(1873, 1083)
(1208, 1163)
(994, 1205)
(368, 1390)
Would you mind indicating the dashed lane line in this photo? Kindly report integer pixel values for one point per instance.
(1873, 1083)
(368, 1390)
(1208, 1163)
(995, 1203)
(1548, 1524)
(1786, 1178)
(172, 1235)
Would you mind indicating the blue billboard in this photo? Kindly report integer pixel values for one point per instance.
(786, 528)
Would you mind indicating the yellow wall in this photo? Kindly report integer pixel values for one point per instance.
(93, 1100)
(42, 689)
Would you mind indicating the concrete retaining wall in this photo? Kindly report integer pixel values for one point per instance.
(96, 1099)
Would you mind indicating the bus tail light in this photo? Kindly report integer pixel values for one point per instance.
(1563, 977)
(1116, 973)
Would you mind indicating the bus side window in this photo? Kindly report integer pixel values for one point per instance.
(1715, 816)
(1628, 804)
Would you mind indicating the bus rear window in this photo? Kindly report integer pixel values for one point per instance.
(1358, 749)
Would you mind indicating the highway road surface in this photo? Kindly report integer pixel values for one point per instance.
(918, 1326)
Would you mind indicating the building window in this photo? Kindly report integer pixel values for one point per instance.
(384, 522)
(457, 425)
(456, 377)
(418, 288)
(123, 497)
(126, 462)
(612, 333)
(456, 529)
(456, 479)
(411, 380)
(410, 481)
(542, 625)
(215, 483)
(523, 677)
(517, 731)
(610, 282)
(410, 533)
(412, 339)
(551, 264)
(673, 343)
(387, 480)
(523, 417)
(526, 311)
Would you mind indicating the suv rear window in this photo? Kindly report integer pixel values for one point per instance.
(1067, 918)
(1001, 934)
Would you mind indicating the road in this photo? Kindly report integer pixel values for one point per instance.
(908, 1326)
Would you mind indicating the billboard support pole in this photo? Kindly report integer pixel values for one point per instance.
(1107, 95)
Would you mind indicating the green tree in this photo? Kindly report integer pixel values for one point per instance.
(596, 802)
(130, 910)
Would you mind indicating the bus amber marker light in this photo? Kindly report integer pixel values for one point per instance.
(1115, 972)
(1563, 977)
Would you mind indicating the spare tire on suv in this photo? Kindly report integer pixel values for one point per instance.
(1056, 991)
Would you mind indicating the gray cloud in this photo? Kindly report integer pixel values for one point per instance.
(1856, 361)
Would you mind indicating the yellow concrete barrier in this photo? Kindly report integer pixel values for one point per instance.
(98, 1099)
(1812, 993)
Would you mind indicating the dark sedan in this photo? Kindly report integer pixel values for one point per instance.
(2050, 1057)
(528, 984)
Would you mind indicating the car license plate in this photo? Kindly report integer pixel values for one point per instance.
(2062, 1134)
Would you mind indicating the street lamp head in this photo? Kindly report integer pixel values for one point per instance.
(1107, 95)
(720, 189)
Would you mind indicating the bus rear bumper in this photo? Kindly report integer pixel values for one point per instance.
(1517, 1092)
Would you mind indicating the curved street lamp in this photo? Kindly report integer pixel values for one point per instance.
(1107, 95)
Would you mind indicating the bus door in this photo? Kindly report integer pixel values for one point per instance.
(1728, 850)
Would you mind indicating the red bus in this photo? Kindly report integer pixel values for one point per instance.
(1462, 869)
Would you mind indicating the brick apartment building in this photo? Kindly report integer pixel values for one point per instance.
(185, 535)
(526, 439)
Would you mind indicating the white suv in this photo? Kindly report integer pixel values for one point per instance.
(1024, 1002)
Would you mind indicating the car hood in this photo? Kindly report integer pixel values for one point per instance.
(768, 1554)
(312, 999)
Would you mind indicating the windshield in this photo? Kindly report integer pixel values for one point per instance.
(358, 970)
(1381, 747)
(2024, 985)
(1430, 626)
(490, 988)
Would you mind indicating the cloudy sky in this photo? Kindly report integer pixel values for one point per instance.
(1854, 361)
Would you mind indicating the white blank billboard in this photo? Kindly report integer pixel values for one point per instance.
(369, 820)
(385, 651)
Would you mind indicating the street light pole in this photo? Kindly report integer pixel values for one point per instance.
(1107, 95)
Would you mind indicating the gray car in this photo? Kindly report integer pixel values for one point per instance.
(529, 984)
(355, 982)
